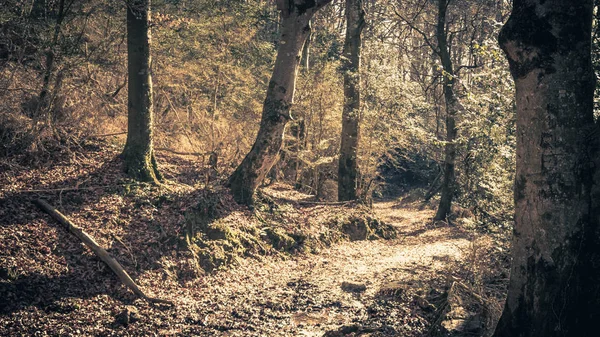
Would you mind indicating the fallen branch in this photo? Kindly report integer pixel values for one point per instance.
(99, 251)
(108, 135)
(76, 188)
(200, 154)
(331, 203)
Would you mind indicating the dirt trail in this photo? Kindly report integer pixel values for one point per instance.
(54, 286)
(303, 296)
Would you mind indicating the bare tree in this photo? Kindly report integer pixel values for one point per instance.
(555, 276)
(138, 154)
(452, 108)
(44, 104)
(456, 27)
(295, 28)
(348, 161)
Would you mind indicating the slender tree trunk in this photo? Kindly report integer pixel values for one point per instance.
(554, 287)
(138, 153)
(348, 162)
(295, 18)
(44, 102)
(298, 131)
(452, 107)
(306, 52)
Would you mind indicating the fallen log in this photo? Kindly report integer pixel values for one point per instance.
(100, 252)
(199, 154)
(328, 203)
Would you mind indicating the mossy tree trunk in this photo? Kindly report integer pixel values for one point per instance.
(348, 161)
(294, 28)
(452, 108)
(554, 287)
(138, 154)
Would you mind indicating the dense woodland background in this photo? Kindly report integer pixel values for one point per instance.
(211, 64)
(64, 114)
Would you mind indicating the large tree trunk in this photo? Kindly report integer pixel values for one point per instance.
(295, 18)
(348, 161)
(138, 153)
(554, 287)
(452, 107)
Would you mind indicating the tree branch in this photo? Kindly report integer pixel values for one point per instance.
(415, 28)
(474, 66)
(100, 252)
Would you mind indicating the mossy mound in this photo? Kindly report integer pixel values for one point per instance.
(217, 235)
(280, 239)
(365, 227)
(217, 245)
(215, 254)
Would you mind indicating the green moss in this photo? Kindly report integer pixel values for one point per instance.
(217, 243)
(279, 239)
(219, 231)
(213, 256)
(381, 230)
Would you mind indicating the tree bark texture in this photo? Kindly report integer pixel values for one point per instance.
(348, 161)
(295, 27)
(138, 154)
(554, 287)
(452, 108)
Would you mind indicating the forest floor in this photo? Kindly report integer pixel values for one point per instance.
(435, 279)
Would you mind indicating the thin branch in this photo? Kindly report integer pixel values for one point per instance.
(108, 135)
(475, 66)
(412, 26)
(76, 188)
(329, 203)
(182, 153)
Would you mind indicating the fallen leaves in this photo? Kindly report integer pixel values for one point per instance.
(51, 284)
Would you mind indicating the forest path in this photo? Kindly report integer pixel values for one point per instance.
(303, 296)
(52, 284)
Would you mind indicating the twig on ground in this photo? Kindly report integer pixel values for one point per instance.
(199, 154)
(76, 188)
(108, 135)
(330, 203)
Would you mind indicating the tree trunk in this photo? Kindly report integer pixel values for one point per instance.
(295, 18)
(306, 52)
(44, 103)
(348, 162)
(452, 107)
(138, 154)
(554, 287)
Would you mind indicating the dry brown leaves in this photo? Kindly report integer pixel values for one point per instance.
(52, 285)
